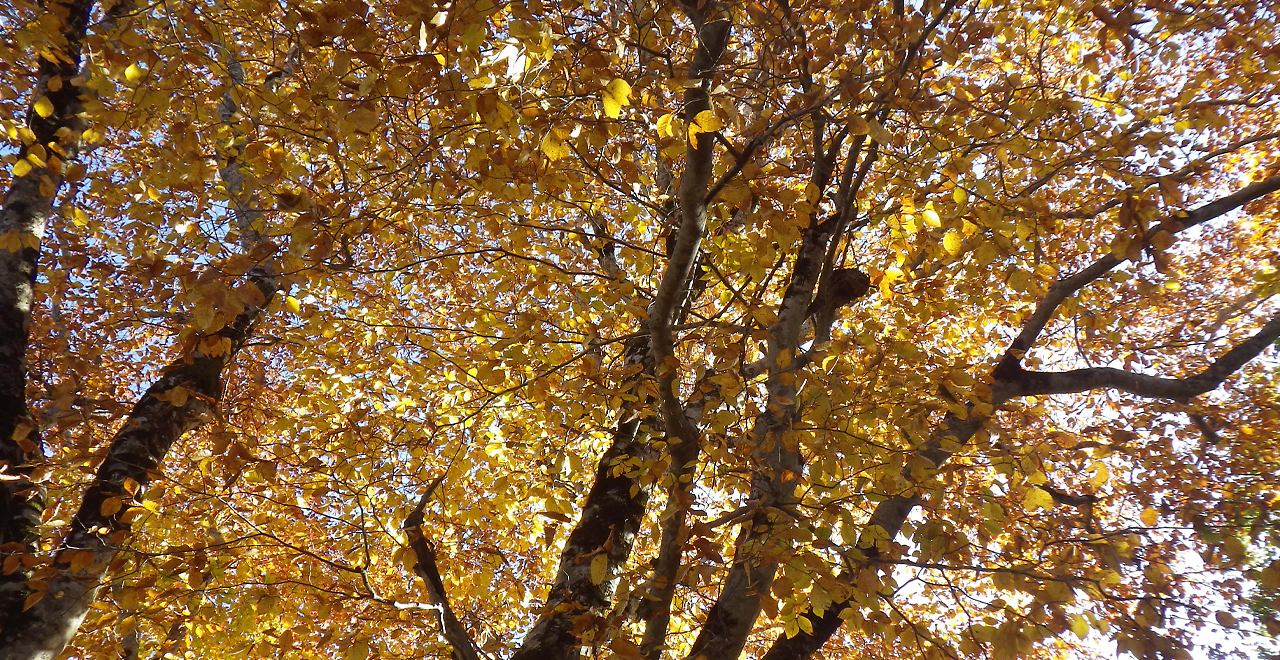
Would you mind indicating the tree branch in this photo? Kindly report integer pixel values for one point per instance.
(38, 624)
(1030, 383)
(1067, 287)
(426, 568)
(28, 207)
(1011, 382)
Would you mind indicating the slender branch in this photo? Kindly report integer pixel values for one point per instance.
(1067, 287)
(1029, 383)
(426, 568)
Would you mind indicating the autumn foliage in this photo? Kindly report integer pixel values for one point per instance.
(785, 330)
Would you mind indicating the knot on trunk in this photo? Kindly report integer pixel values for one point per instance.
(843, 287)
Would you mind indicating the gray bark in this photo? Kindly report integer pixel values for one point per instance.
(1012, 382)
(28, 205)
(424, 551)
(38, 624)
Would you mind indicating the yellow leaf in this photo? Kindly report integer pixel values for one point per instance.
(951, 242)
(127, 625)
(1037, 498)
(1079, 626)
(664, 125)
(1150, 517)
(292, 304)
(620, 90)
(931, 218)
(1100, 474)
(612, 109)
(874, 535)
(110, 506)
(43, 107)
(134, 73)
(705, 122)
(616, 95)
(553, 148)
(21, 169)
(858, 126)
(599, 567)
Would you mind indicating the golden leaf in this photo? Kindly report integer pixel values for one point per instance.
(133, 73)
(705, 122)
(110, 506)
(43, 107)
(1037, 498)
(599, 568)
(952, 243)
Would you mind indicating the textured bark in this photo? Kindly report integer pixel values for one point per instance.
(889, 515)
(660, 590)
(713, 29)
(610, 518)
(1029, 383)
(37, 626)
(28, 206)
(1011, 382)
(135, 454)
(731, 619)
(424, 551)
(608, 524)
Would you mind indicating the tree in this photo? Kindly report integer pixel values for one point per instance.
(648, 330)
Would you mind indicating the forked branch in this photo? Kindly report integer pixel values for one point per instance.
(427, 568)
(1031, 383)
(1067, 287)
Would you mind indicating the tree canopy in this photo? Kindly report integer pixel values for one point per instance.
(661, 330)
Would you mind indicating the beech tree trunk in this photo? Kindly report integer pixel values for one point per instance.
(54, 121)
(40, 612)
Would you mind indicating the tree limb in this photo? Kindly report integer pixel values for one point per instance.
(28, 207)
(1030, 383)
(37, 625)
(1011, 382)
(426, 568)
(1067, 287)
